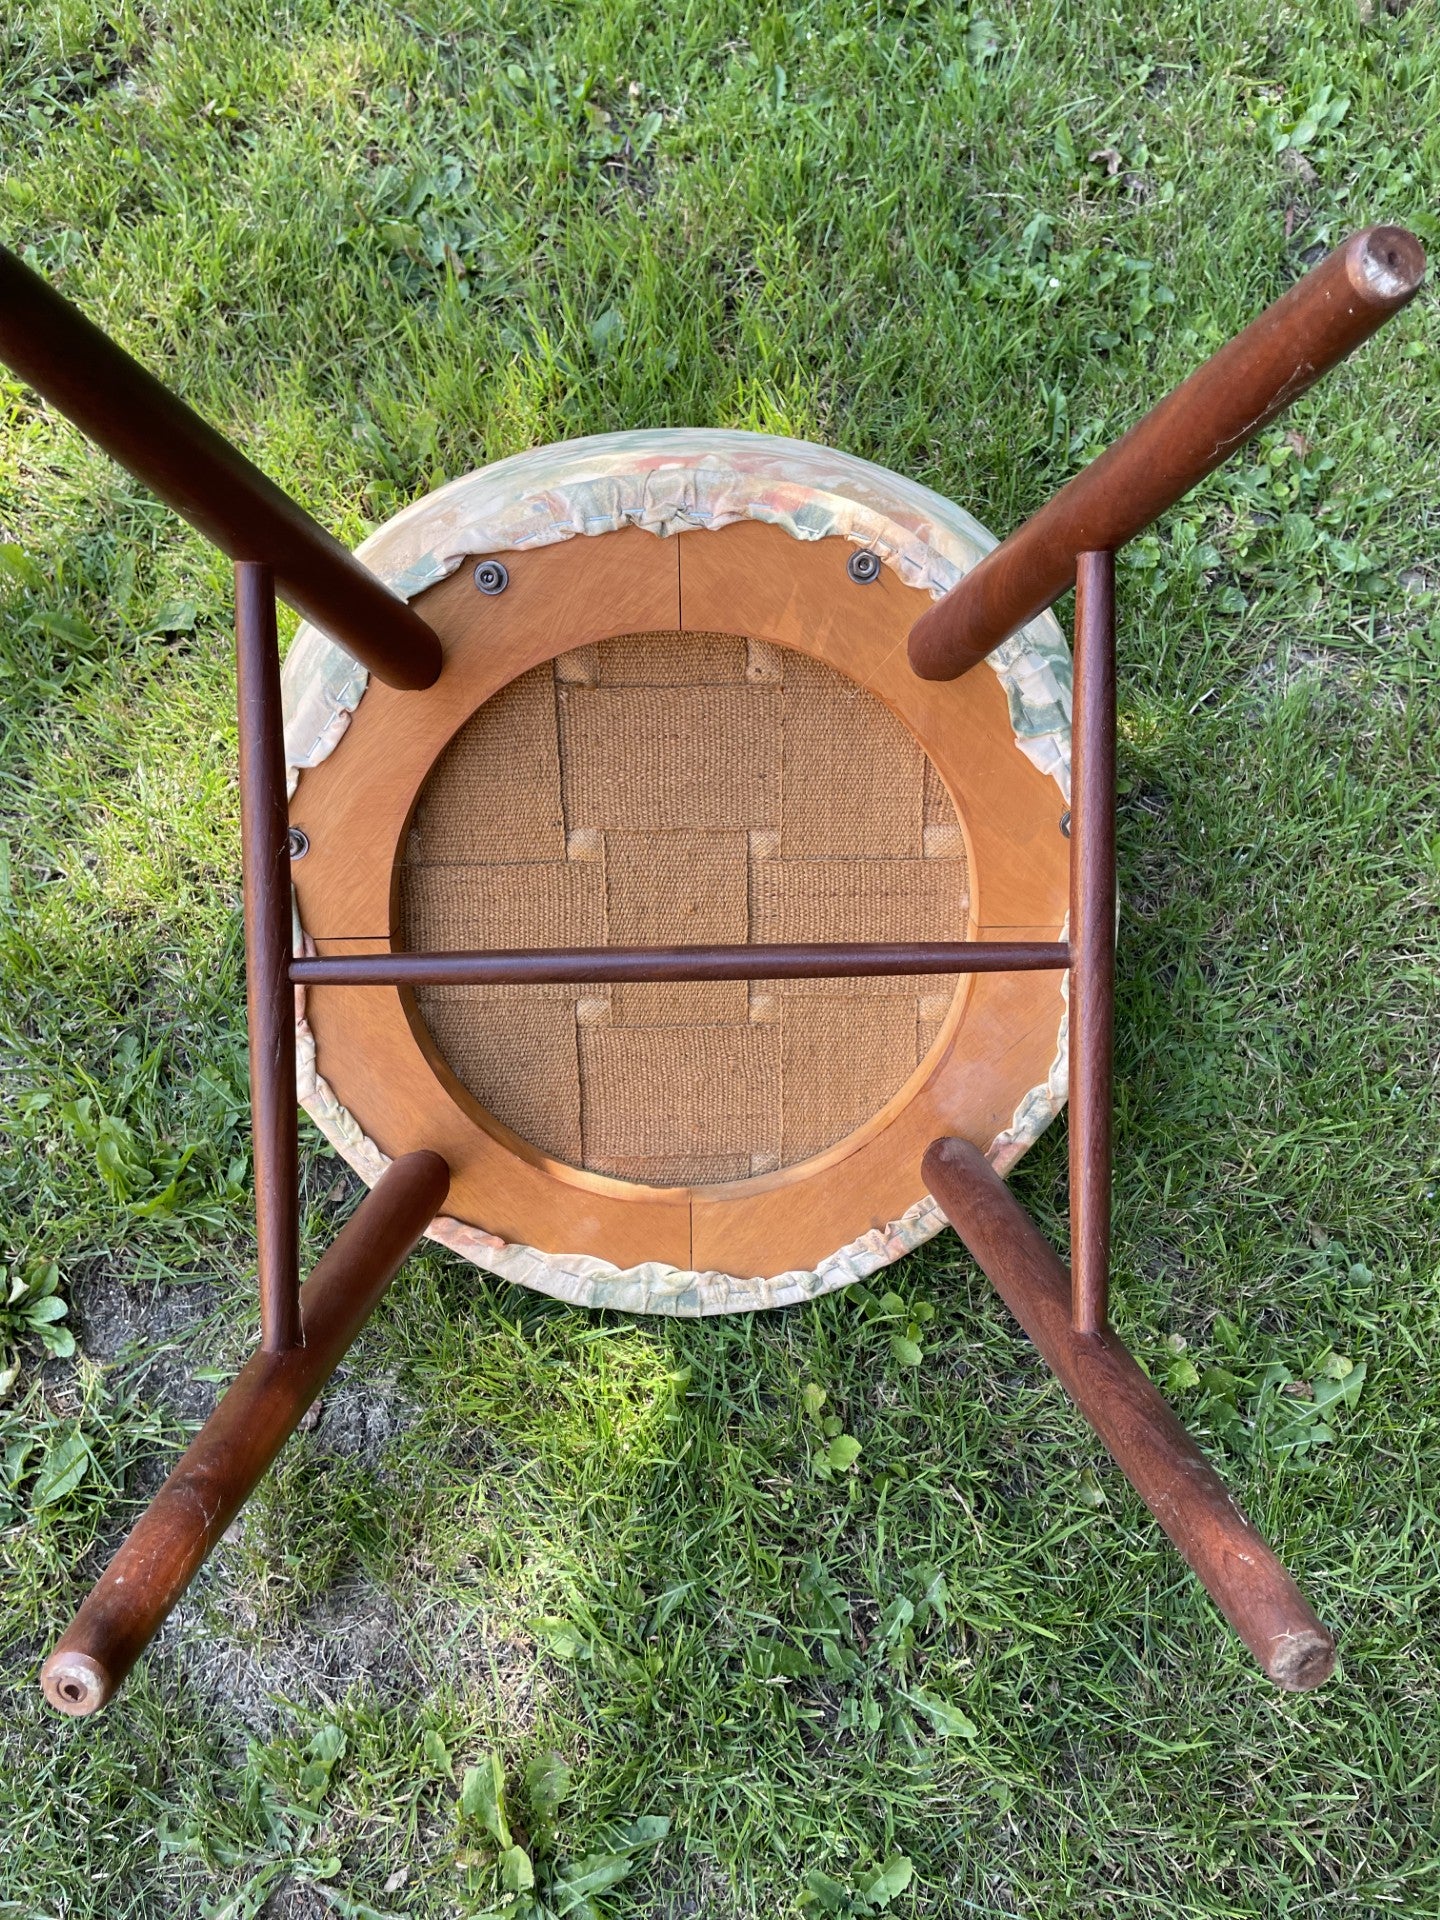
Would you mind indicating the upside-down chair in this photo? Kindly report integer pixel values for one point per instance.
(676, 880)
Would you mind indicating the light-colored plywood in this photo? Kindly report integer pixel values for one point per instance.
(749, 580)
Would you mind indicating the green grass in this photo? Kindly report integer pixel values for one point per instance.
(380, 246)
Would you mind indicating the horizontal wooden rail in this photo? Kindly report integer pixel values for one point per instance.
(1152, 1449)
(582, 965)
(150, 431)
(1239, 390)
(224, 1463)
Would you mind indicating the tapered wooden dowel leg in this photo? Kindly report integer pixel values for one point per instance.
(150, 430)
(1160, 1460)
(227, 1458)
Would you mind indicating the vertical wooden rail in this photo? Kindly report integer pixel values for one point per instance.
(265, 856)
(1092, 939)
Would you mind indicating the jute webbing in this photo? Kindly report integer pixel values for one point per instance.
(668, 789)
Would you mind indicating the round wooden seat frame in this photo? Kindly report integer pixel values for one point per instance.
(439, 660)
(756, 582)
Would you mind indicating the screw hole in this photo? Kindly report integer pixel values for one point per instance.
(863, 566)
(491, 577)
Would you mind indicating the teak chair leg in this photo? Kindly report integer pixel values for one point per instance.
(224, 1463)
(1152, 1449)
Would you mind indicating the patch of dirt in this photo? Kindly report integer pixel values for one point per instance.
(349, 1638)
(696, 1891)
(151, 1328)
(358, 1415)
(149, 1325)
(296, 1900)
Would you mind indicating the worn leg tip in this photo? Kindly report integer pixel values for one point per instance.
(73, 1683)
(1302, 1660)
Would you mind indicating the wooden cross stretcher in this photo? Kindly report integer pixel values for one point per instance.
(305, 1331)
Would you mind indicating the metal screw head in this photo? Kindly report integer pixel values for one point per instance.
(1065, 823)
(299, 843)
(492, 577)
(863, 566)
